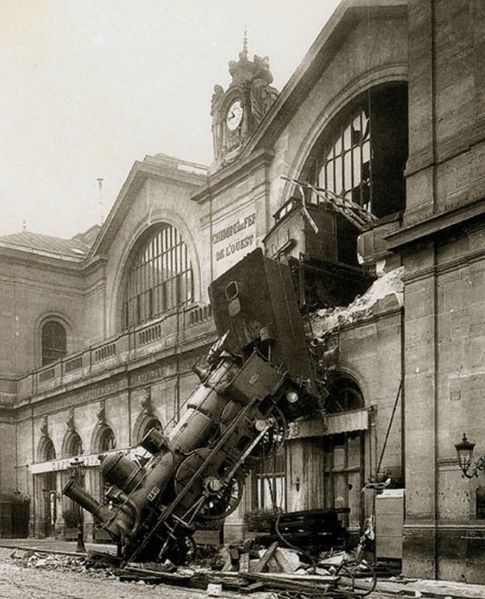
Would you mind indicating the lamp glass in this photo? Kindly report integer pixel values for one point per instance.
(464, 450)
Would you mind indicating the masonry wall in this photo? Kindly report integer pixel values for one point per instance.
(30, 292)
(444, 340)
(446, 106)
(235, 216)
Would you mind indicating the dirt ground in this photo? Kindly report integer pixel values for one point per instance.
(20, 582)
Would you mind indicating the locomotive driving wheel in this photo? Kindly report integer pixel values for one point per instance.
(252, 425)
(221, 496)
(274, 437)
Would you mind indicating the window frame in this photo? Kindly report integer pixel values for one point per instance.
(381, 144)
(51, 354)
(159, 276)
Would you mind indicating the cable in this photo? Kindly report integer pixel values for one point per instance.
(389, 427)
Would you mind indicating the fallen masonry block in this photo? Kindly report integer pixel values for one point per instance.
(288, 560)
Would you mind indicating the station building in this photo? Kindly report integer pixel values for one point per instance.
(386, 117)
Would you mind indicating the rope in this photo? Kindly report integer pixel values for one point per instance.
(389, 427)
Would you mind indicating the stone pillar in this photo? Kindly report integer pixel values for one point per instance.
(419, 559)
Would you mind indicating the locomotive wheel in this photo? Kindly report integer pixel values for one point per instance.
(223, 502)
(221, 498)
(272, 440)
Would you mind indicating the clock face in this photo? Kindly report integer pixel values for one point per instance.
(234, 115)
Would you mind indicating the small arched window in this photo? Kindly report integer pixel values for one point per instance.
(53, 342)
(344, 396)
(159, 277)
(107, 441)
(74, 446)
(48, 451)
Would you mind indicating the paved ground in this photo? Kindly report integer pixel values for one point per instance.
(17, 582)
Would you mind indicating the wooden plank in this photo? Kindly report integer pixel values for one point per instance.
(268, 554)
(252, 588)
(294, 576)
(274, 581)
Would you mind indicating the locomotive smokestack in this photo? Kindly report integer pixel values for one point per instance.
(75, 492)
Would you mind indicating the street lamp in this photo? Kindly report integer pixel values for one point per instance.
(76, 473)
(464, 450)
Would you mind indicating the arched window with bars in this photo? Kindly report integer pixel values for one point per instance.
(159, 276)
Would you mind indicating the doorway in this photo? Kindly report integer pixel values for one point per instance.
(49, 512)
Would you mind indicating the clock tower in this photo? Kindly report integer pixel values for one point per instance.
(237, 112)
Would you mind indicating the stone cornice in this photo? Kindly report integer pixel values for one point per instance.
(436, 225)
(173, 172)
(47, 261)
(232, 174)
(449, 266)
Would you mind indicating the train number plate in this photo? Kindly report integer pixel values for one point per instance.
(153, 493)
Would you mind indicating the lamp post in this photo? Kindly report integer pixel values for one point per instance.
(464, 451)
(76, 472)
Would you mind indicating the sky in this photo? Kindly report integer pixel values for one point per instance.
(87, 87)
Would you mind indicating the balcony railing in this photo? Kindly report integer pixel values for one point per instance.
(173, 330)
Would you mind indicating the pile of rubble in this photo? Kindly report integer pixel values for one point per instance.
(389, 287)
(245, 568)
(29, 558)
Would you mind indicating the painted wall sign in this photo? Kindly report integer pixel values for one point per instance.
(233, 240)
(86, 460)
(224, 239)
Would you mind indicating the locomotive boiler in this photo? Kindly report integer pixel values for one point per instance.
(255, 379)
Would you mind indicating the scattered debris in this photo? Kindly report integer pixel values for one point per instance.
(245, 567)
(389, 285)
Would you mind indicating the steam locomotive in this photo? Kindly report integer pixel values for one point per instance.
(256, 378)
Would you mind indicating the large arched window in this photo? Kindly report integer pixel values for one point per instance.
(362, 153)
(159, 278)
(53, 339)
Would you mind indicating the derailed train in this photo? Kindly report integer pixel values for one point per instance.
(256, 378)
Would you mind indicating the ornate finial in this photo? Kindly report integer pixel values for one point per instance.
(244, 53)
(70, 420)
(146, 401)
(101, 414)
